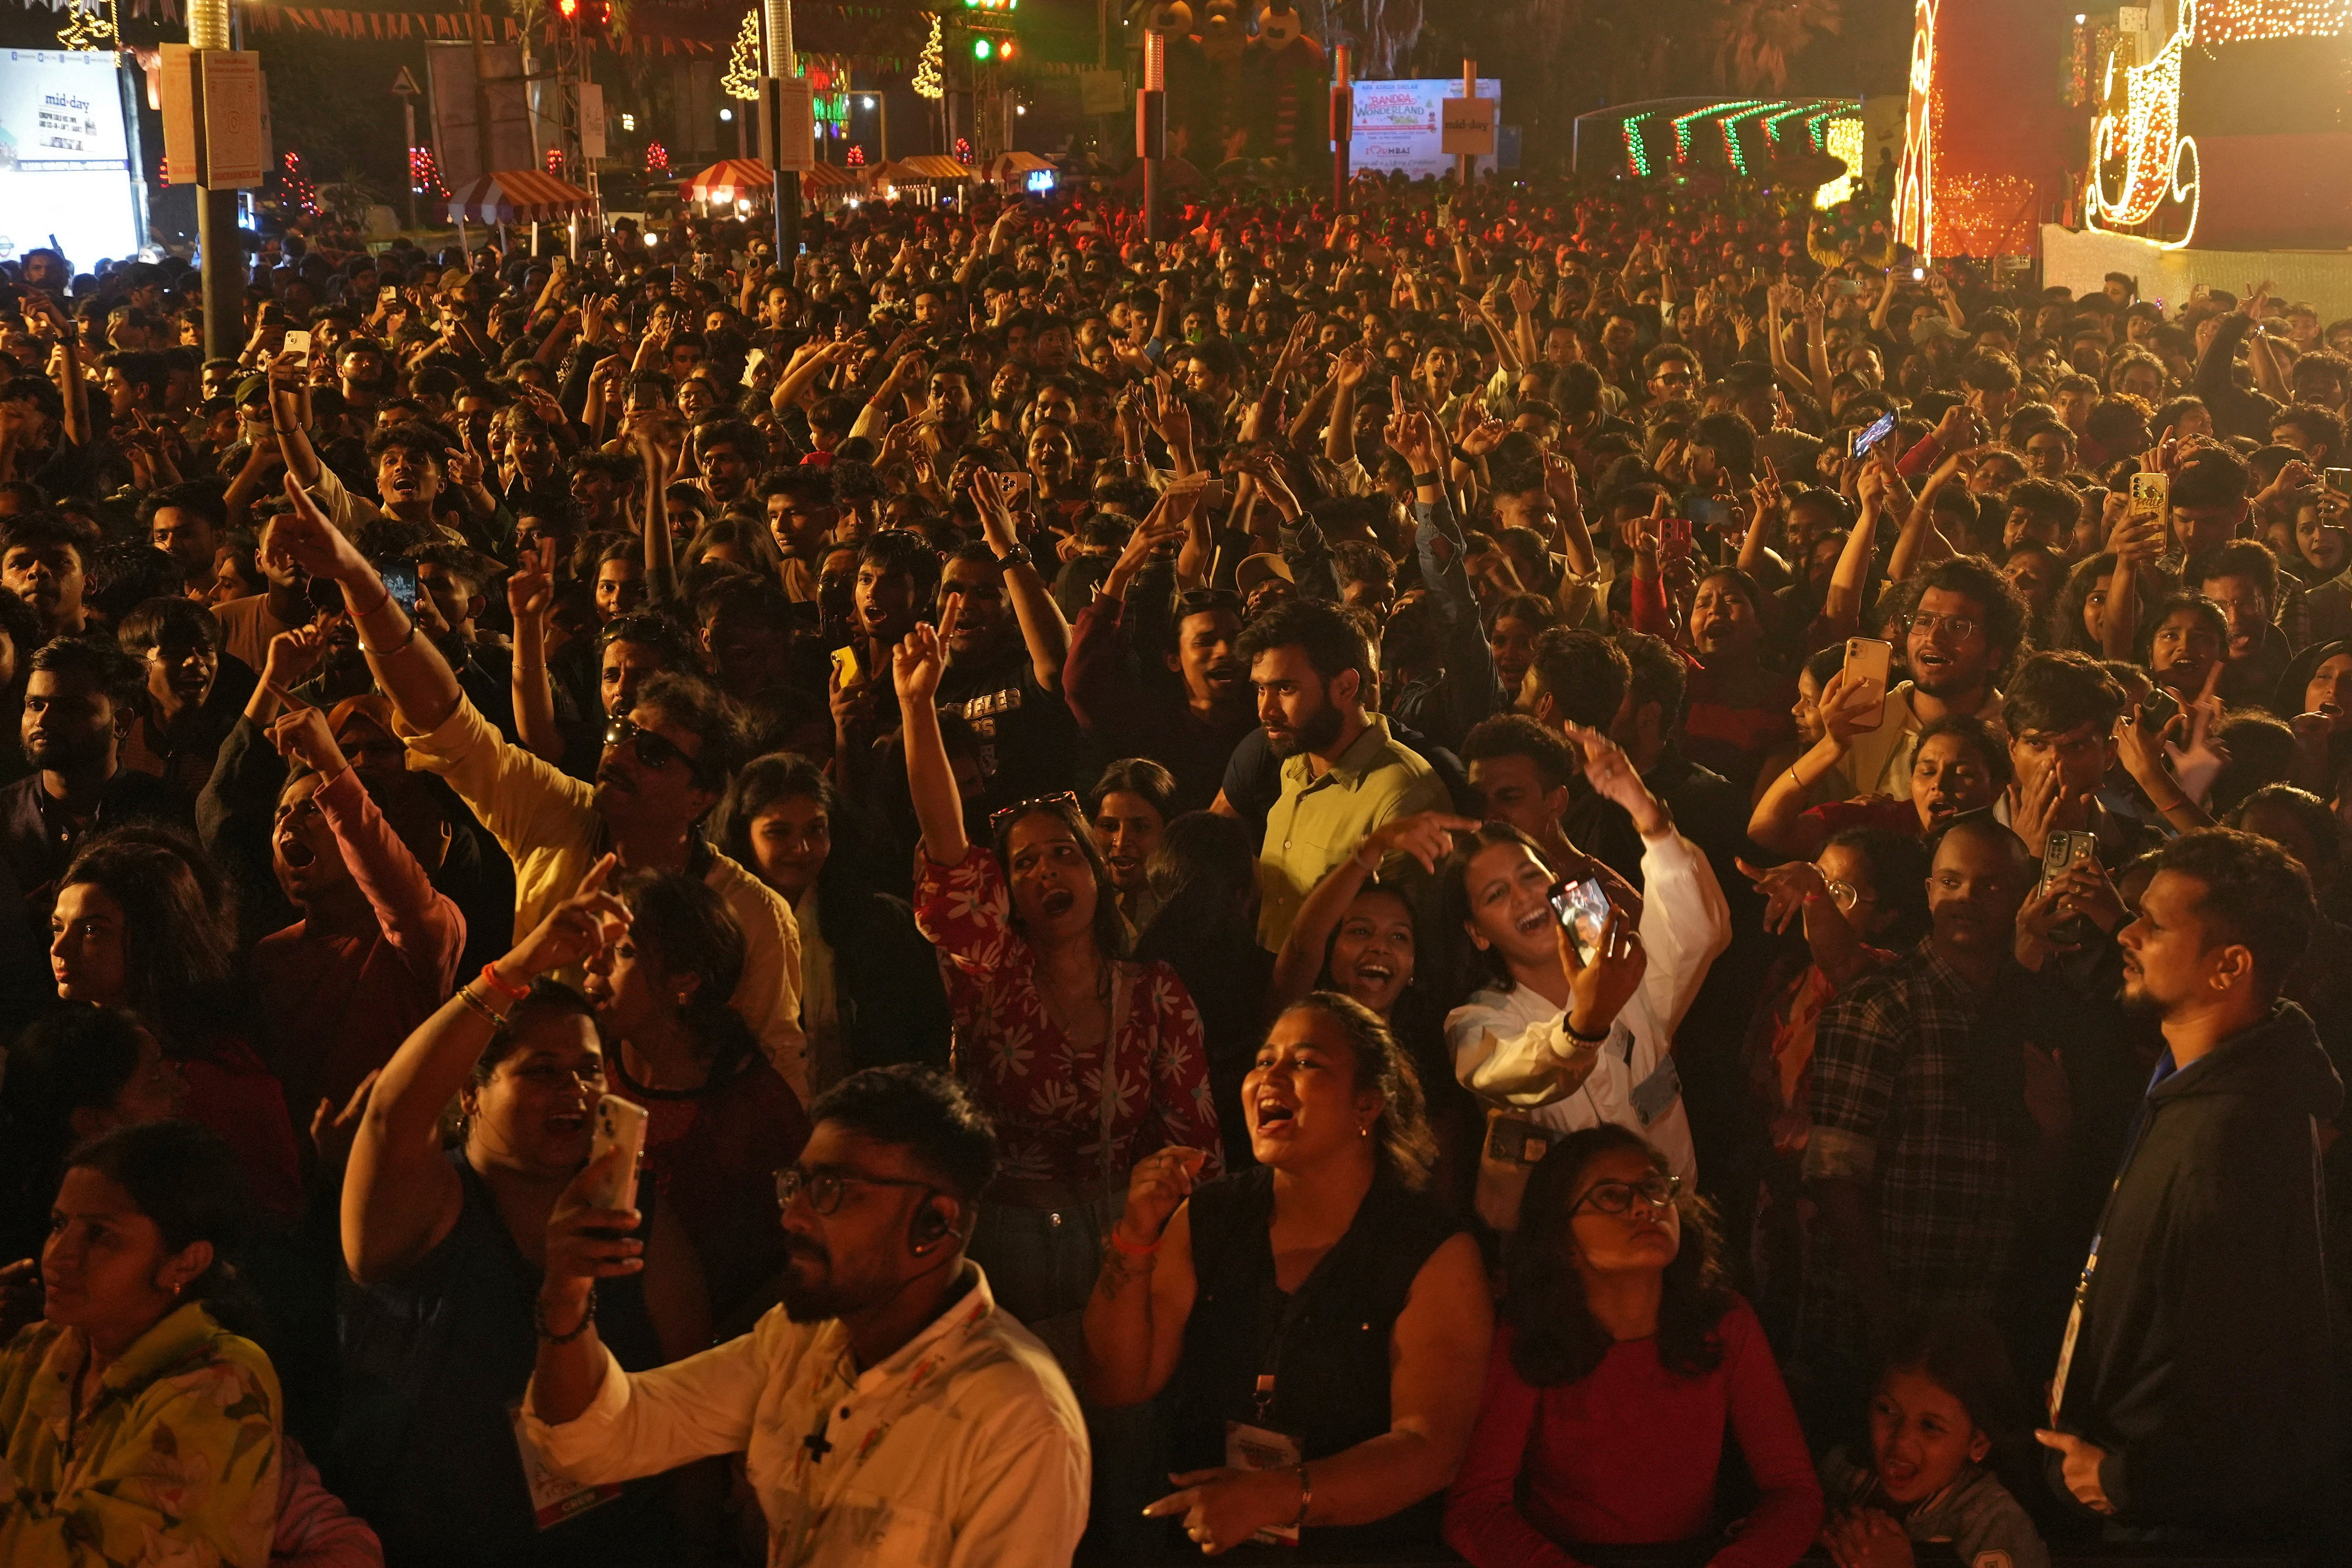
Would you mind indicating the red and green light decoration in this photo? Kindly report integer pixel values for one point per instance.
(1651, 134)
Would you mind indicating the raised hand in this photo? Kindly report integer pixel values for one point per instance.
(918, 662)
(574, 931)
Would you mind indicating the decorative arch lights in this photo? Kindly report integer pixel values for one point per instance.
(2250, 21)
(1637, 155)
(2136, 143)
(1915, 184)
(1845, 141)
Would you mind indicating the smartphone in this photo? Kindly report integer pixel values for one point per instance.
(619, 1124)
(1918, 275)
(2151, 494)
(1859, 442)
(2339, 480)
(2157, 709)
(2064, 849)
(400, 582)
(845, 670)
(1675, 535)
(1867, 662)
(1582, 906)
(1849, 286)
(298, 343)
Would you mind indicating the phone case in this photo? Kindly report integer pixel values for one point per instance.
(1867, 662)
(622, 1123)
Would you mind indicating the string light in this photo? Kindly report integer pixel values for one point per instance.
(1914, 181)
(1730, 124)
(926, 82)
(2250, 21)
(2144, 140)
(657, 158)
(1772, 122)
(86, 30)
(742, 77)
(1845, 143)
(1637, 151)
(424, 173)
(1682, 124)
(298, 185)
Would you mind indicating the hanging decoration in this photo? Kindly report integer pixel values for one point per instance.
(926, 82)
(964, 150)
(742, 77)
(657, 158)
(2248, 21)
(2136, 142)
(555, 161)
(424, 173)
(304, 195)
(857, 156)
(86, 30)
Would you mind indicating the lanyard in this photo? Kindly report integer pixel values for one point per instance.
(2165, 1069)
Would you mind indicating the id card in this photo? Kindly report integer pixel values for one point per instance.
(1516, 1141)
(1256, 1448)
(1655, 1095)
(554, 1498)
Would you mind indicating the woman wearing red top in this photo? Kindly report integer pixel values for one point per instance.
(1085, 1061)
(1621, 1362)
(722, 1120)
(1738, 711)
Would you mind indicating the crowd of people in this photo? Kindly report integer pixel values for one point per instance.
(1551, 873)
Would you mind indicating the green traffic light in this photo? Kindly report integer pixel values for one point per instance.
(982, 48)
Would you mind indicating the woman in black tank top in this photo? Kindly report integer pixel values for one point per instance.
(1322, 1321)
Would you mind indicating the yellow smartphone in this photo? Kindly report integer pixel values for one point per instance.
(845, 670)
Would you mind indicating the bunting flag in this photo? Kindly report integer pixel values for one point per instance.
(388, 26)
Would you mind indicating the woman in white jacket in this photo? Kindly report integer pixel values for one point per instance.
(1549, 1044)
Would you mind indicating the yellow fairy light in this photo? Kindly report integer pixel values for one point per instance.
(2250, 21)
(1914, 182)
(926, 82)
(742, 79)
(2143, 142)
(1845, 141)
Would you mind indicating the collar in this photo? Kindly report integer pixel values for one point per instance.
(933, 1345)
(178, 1335)
(1367, 752)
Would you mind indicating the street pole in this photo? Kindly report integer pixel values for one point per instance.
(408, 113)
(1465, 162)
(1151, 128)
(216, 230)
(481, 91)
(1343, 124)
(882, 104)
(783, 64)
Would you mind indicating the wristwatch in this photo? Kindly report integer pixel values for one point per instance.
(1016, 556)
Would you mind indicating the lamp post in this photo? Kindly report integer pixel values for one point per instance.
(1343, 123)
(1151, 128)
(783, 64)
(216, 231)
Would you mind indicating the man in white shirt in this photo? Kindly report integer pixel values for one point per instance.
(890, 1414)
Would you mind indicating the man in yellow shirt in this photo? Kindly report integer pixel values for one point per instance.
(1342, 775)
(665, 765)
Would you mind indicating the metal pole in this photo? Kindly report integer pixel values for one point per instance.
(481, 93)
(783, 64)
(1151, 128)
(216, 230)
(408, 109)
(1462, 162)
(1343, 124)
(882, 102)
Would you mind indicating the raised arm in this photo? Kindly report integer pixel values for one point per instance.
(915, 666)
(531, 595)
(1777, 822)
(1424, 835)
(1043, 626)
(400, 1196)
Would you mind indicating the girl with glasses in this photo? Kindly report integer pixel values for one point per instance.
(1621, 1365)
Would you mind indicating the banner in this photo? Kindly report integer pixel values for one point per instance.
(1399, 125)
(64, 161)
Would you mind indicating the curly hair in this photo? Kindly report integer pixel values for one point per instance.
(1556, 1339)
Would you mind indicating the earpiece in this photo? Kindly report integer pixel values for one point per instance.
(927, 1228)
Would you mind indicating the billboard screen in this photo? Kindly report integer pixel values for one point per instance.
(1397, 127)
(65, 160)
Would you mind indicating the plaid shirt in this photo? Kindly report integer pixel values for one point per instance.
(1907, 1099)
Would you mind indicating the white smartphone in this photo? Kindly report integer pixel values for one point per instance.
(620, 1123)
(298, 343)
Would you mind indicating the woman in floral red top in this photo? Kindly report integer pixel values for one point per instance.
(1087, 1061)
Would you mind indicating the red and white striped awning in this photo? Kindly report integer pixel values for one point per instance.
(518, 195)
(826, 177)
(727, 180)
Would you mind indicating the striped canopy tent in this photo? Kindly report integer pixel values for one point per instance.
(925, 169)
(1018, 165)
(728, 181)
(518, 195)
(831, 182)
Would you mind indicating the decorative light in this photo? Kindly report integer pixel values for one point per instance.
(657, 158)
(2154, 161)
(1914, 181)
(725, 115)
(1637, 151)
(2250, 21)
(857, 156)
(1845, 141)
(866, 101)
(1682, 124)
(628, 123)
(555, 160)
(86, 30)
(424, 173)
(926, 82)
(1729, 125)
(742, 77)
(982, 48)
(964, 150)
(1772, 122)
(298, 185)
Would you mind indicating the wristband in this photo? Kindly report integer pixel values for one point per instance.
(1570, 1029)
(538, 1319)
(1016, 556)
(490, 978)
(1432, 481)
(1129, 1247)
(1305, 1498)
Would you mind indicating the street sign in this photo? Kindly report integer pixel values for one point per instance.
(1102, 92)
(1467, 125)
(213, 118)
(405, 84)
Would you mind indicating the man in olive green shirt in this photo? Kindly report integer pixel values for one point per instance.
(1341, 774)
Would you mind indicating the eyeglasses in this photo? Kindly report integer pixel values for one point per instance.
(1959, 627)
(655, 751)
(1061, 801)
(1845, 895)
(1616, 1198)
(826, 1189)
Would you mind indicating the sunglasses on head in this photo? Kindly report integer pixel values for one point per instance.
(1060, 803)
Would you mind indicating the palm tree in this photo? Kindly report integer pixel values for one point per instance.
(1759, 37)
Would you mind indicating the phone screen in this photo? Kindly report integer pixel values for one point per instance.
(400, 582)
(1871, 435)
(1583, 908)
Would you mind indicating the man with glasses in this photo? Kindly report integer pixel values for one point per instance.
(1959, 636)
(1669, 372)
(889, 1413)
(666, 764)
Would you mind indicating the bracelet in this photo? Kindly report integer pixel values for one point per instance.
(490, 978)
(494, 1019)
(1305, 1497)
(1371, 870)
(538, 1319)
(388, 652)
(1570, 1029)
(1130, 1249)
(1432, 481)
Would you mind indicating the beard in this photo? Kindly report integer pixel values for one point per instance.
(817, 1299)
(1312, 736)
